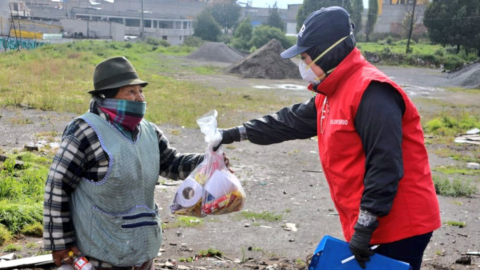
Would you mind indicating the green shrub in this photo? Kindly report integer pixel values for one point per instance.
(12, 247)
(439, 52)
(456, 188)
(193, 41)
(433, 59)
(453, 62)
(389, 40)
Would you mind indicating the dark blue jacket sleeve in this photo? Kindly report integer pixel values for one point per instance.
(298, 121)
(379, 123)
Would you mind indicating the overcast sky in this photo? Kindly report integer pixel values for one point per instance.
(283, 3)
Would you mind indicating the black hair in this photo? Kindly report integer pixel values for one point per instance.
(107, 93)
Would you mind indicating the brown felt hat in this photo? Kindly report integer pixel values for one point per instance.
(115, 73)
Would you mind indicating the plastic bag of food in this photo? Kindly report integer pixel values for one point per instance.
(211, 189)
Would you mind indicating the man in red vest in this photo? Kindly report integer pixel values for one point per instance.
(370, 142)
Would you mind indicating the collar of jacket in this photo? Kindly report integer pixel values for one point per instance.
(351, 63)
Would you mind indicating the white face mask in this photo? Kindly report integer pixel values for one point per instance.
(306, 70)
(307, 73)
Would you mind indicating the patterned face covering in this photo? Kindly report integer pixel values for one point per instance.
(123, 112)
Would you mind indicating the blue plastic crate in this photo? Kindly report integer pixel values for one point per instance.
(331, 252)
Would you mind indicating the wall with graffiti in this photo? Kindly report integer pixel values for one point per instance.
(13, 43)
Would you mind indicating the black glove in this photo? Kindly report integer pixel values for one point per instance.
(360, 243)
(228, 136)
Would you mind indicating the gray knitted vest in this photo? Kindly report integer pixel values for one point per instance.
(116, 219)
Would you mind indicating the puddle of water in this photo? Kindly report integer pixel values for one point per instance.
(413, 90)
(293, 87)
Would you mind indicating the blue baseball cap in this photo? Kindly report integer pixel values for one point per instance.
(323, 27)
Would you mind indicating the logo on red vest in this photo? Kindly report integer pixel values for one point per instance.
(341, 122)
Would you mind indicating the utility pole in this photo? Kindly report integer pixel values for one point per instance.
(142, 23)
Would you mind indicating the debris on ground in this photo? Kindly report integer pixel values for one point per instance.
(470, 137)
(464, 260)
(216, 52)
(266, 63)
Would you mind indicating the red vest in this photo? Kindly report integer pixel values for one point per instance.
(415, 208)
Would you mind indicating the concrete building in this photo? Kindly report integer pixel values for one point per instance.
(171, 20)
(4, 18)
(93, 29)
(392, 14)
(173, 28)
(291, 20)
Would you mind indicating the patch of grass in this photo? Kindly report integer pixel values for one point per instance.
(12, 247)
(35, 229)
(456, 170)
(394, 53)
(472, 155)
(460, 224)
(26, 184)
(183, 222)
(52, 86)
(450, 125)
(300, 262)
(267, 216)
(32, 245)
(455, 188)
(211, 252)
(459, 203)
(21, 192)
(16, 215)
(257, 249)
(176, 132)
(206, 70)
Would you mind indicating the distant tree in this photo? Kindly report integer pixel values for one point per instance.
(454, 22)
(243, 35)
(371, 18)
(274, 19)
(411, 24)
(263, 34)
(357, 11)
(206, 27)
(226, 13)
(310, 6)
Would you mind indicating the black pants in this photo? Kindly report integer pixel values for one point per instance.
(409, 250)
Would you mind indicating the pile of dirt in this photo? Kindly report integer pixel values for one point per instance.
(468, 77)
(266, 63)
(216, 52)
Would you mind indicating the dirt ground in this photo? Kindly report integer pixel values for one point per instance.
(284, 179)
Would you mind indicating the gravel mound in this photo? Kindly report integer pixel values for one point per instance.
(266, 63)
(468, 77)
(216, 52)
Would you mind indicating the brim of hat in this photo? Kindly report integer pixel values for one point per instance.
(120, 84)
(293, 51)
